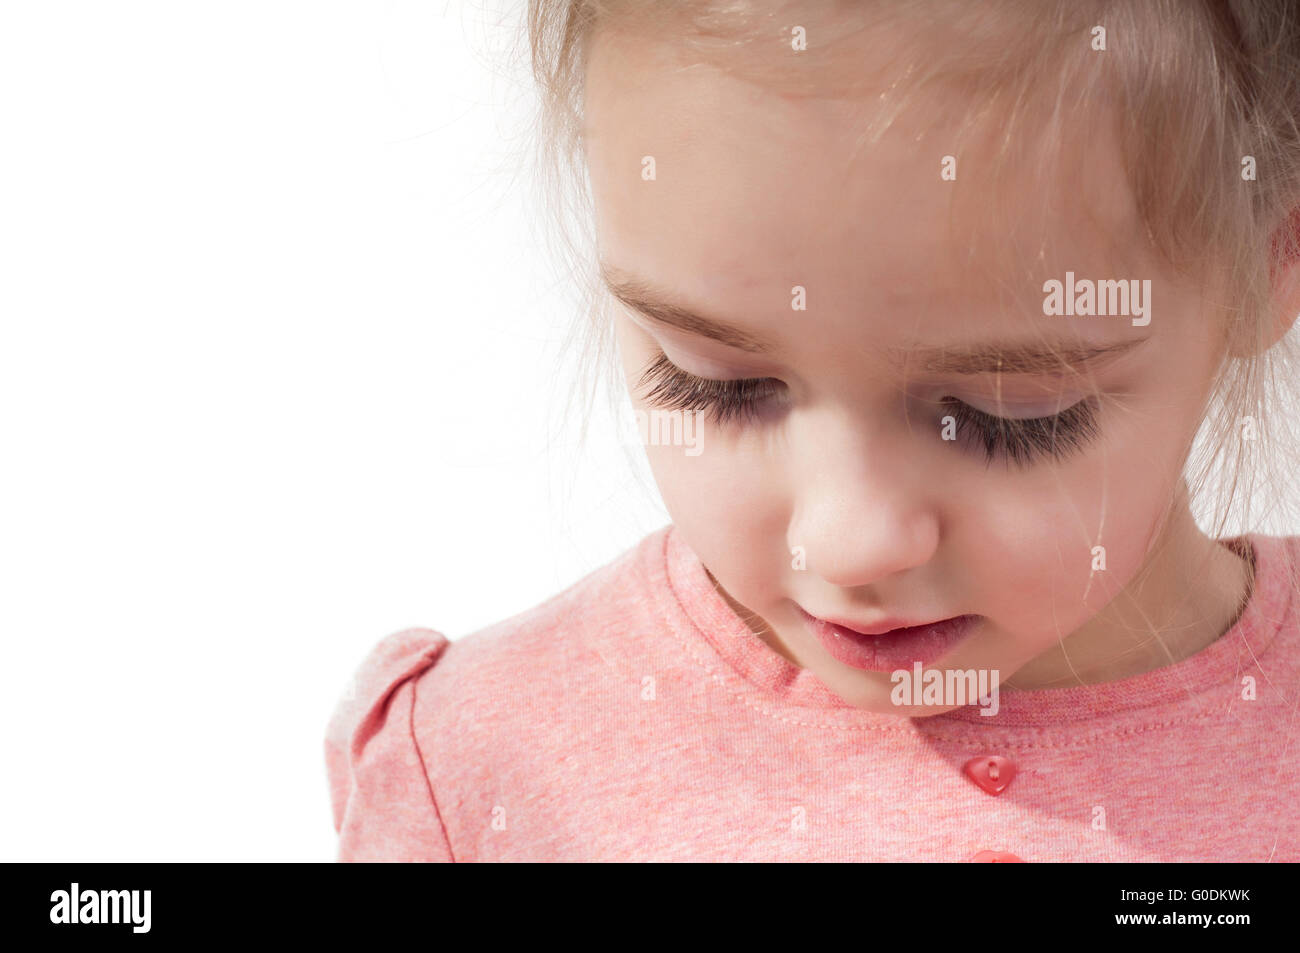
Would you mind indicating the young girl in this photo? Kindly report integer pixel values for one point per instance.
(949, 325)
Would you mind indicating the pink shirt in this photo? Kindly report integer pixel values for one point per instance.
(635, 717)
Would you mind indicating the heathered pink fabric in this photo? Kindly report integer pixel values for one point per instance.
(634, 717)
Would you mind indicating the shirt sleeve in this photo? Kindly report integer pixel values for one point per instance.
(383, 804)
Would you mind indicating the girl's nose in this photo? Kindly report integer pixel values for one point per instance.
(862, 514)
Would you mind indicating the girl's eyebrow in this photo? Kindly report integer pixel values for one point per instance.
(658, 306)
(1013, 357)
(1009, 357)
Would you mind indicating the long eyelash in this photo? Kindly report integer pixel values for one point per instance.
(1021, 441)
(725, 401)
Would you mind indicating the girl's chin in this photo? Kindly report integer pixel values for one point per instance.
(900, 693)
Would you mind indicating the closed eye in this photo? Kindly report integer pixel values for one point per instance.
(740, 403)
(1024, 440)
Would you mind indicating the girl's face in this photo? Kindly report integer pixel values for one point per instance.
(831, 490)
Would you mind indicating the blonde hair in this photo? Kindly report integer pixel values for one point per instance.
(1194, 87)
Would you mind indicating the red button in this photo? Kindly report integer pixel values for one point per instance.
(991, 772)
(995, 857)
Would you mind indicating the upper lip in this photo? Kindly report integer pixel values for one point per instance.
(880, 626)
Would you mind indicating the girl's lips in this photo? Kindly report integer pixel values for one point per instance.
(879, 628)
(889, 649)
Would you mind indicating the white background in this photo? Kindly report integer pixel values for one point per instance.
(277, 378)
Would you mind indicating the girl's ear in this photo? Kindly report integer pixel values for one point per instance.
(1284, 303)
(1284, 269)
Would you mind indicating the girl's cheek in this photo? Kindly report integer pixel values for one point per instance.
(707, 473)
(1056, 556)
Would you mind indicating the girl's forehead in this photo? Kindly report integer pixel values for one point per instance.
(694, 169)
(934, 226)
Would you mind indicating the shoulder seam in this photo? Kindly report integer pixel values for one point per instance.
(424, 771)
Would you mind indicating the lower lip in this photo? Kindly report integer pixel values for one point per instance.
(893, 650)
